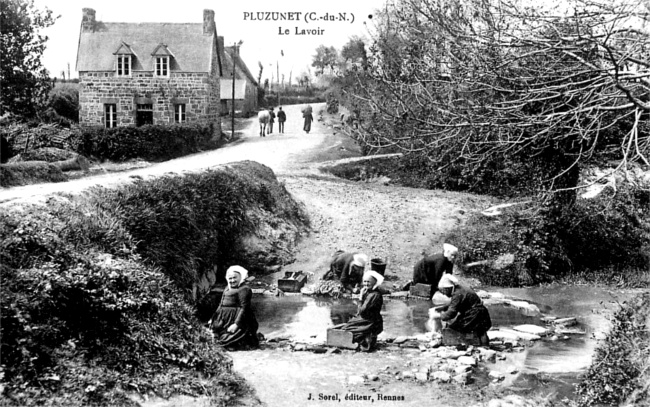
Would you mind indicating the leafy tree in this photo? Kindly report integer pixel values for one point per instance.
(25, 82)
(354, 51)
(64, 99)
(326, 57)
(470, 83)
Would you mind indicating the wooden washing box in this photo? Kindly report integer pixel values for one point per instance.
(340, 339)
(292, 281)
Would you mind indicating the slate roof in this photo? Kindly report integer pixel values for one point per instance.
(191, 49)
(226, 62)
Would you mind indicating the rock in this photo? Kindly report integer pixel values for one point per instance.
(373, 377)
(400, 339)
(508, 335)
(408, 374)
(443, 377)
(300, 347)
(317, 349)
(467, 360)
(421, 376)
(531, 329)
(526, 307)
(333, 350)
(356, 380)
(422, 348)
(496, 375)
(570, 331)
(488, 354)
(448, 353)
(462, 369)
(462, 378)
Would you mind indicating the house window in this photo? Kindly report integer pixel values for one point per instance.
(179, 113)
(144, 114)
(110, 115)
(123, 65)
(162, 66)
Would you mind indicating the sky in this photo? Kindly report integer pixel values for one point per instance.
(261, 38)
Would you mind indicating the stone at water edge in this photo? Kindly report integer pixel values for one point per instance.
(467, 360)
(565, 321)
(420, 376)
(462, 369)
(532, 329)
(356, 380)
(462, 378)
(496, 375)
(488, 354)
(443, 377)
(400, 339)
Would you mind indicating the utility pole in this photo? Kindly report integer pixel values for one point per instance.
(277, 66)
(235, 50)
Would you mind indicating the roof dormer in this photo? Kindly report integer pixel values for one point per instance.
(162, 58)
(123, 59)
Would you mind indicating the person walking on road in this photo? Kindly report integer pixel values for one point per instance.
(282, 117)
(306, 114)
(271, 120)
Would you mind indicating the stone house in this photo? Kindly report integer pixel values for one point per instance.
(132, 74)
(246, 86)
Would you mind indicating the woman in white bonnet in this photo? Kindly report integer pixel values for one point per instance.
(234, 324)
(466, 312)
(368, 323)
(348, 268)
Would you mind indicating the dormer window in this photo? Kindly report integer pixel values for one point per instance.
(124, 59)
(124, 65)
(162, 60)
(162, 66)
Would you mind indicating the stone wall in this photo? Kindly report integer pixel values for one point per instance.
(198, 91)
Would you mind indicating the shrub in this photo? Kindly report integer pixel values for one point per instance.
(604, 233)
(81, 326)
(154, 142)
(620, 368)
(30, 172)
(64, 99)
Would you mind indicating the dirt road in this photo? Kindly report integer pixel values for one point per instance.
(394, 223)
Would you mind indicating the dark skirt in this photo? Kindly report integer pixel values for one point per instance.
(244, 336)
(361, 328)
(476, 319)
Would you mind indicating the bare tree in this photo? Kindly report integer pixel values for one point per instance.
(475, 80)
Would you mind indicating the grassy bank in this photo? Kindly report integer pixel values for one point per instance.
(97, 290)
(620, 372)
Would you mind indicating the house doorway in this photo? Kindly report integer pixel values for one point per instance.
(144, 114)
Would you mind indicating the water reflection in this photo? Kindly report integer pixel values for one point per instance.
(306, 319)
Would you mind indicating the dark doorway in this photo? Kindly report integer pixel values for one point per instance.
(144, 115)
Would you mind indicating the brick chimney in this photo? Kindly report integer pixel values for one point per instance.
(208, 22)
(87, 20)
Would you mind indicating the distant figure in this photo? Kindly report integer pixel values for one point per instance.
(271, 120)
(306, 114)
(234, 323)
(282, 117)
(263, 118)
